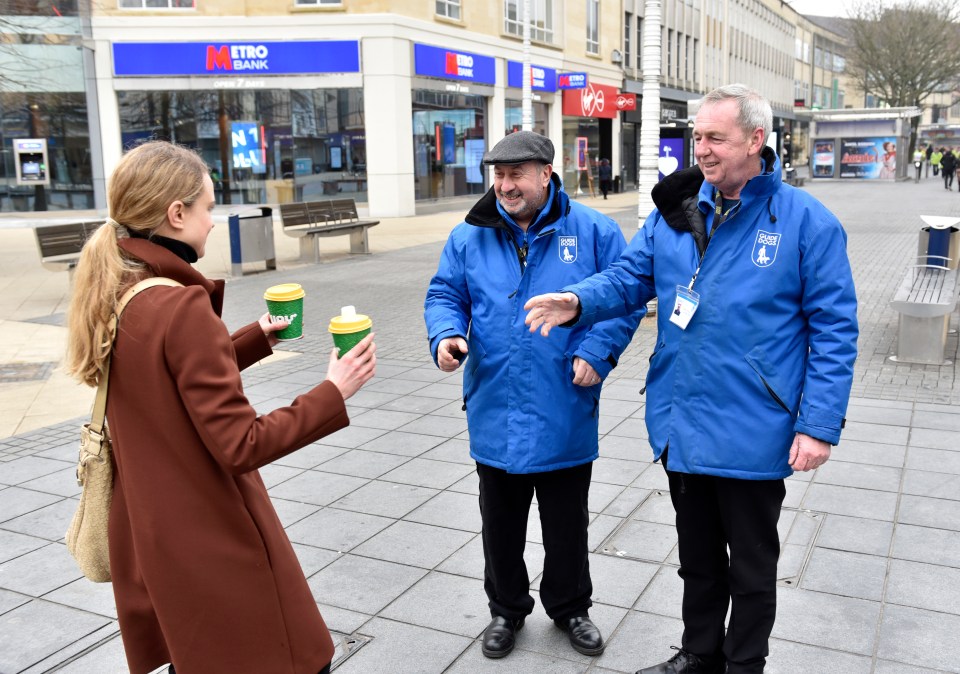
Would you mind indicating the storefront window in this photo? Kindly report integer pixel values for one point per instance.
(449, 140)
(60, 118)
(581, 155)
(514, 116)
(267, 146)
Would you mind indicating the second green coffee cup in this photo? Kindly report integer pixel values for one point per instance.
(285, 302)
(349, 329)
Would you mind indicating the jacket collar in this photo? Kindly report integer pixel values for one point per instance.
(486, 212)
(758, 189)
(162, 262)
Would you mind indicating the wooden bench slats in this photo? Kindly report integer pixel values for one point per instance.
(311, 220)
(925, 291)
(60, 245)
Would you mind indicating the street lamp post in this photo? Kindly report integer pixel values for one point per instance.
(526, 106)
(649, 110)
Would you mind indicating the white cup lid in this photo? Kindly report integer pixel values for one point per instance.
(348, 311)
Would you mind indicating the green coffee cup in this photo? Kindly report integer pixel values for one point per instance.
(349, 329)
(285, 303)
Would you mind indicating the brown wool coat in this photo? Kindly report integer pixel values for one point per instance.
(203, 573)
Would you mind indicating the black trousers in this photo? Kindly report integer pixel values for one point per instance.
(505, 499)
(948, 178)
(714, 513)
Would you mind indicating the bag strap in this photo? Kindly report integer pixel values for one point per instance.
(100, 404)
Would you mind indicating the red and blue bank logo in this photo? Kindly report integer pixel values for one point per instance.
(453, 65)
(245, 57)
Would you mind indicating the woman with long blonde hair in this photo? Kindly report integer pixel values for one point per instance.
(204, 576)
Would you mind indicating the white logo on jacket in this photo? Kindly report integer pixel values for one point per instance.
(568, 249)
(765, 248)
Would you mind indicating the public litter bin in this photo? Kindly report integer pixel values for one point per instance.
(939, 240)
(251, 238)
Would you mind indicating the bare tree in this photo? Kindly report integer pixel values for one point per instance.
(903, 54)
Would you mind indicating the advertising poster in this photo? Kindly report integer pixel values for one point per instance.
(248, 147)
(581, 153)
(671, 151)
(868, 158)
(823, 159)
(473, 149)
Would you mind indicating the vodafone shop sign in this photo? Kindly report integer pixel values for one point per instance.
(594, 100)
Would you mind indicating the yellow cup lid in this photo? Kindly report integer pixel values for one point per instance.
(349, 321)
(284, 292)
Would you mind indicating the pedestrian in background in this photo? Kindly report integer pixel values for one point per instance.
(928, 153)
(203, 574)
(532, 406)
(948, 166)
(752, 371)
(918, 158)
(935, 158)
(605, 174)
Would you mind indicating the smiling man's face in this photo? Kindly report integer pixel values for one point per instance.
(727, 155)
(522, 189)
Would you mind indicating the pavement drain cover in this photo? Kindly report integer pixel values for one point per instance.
(648, 534)
(16, 372)
(346, 645)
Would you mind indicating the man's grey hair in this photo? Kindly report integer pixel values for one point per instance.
(754, 110)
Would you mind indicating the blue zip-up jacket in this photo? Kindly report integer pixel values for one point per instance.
(525, 415)
(770, 349)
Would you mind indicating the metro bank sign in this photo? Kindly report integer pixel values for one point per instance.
(153, 59)
(453, 65)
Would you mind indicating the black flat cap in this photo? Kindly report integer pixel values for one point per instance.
(520, 147)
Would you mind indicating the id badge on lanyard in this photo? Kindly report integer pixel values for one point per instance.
(684, 307)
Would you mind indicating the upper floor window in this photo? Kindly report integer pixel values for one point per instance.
(317, 3)
(593, 26)
(541, 19)
(627, 33)
(449, 9)
(158, 4)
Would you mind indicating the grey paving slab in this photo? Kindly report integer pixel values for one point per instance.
(929, 512)
(937, 419)
(850, 574)
(621, 447)
(889, 667)
(616, 471)
(856, 534)
(414, 544)
(86, 596)
(468, 485)
(619, 408)
(383, 419)
(362, 584)
(663, 595)
(871, 414)
(40, 571)
(600, 528)
(427, 473)
(796, 490)
(453, 450)
(442, 390)
(444, 602)
(28, 468)
(879, 478)
(934, 460)
(923, 544)
(919, 638)
(403, 444)
(15, 501)
(11, 600)
(108, 658)
(312, 559)
(22, 644)
(388, 499)
(520, 660)
(653, 478)
(618, 581)
(926, 586)
(625, 502)
(317, 487)
(449, 509)
(343, 620)
(644, 541)
(876, 432)
(310, 456)
(275, 473)
(363, 463)
(829, 621)
(371, 399)
(352, 437)
(336, 529)
(404, 649)
(601, 495)
(393, 386)
(642, 640)
(935, 438)
(433, 424)
(871, 453)
(49, 522)
(936, 485)
(850, 501)
(415, 403)
(61, 483)
(541, 635)
(657, 508)
(788, 657)
(632, 428)
(13, 544)
(291, 512)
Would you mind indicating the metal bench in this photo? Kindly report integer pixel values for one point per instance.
(60, 245)
(925, 299)
(311, 220)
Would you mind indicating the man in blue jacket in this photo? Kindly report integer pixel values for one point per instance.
(751, 373)
(532, 406)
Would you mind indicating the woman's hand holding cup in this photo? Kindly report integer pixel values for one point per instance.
(355, 368)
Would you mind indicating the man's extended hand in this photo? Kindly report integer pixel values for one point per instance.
(451, 352)
(550, 310)
(808, 453)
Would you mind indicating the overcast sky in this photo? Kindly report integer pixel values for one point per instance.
(821, 7)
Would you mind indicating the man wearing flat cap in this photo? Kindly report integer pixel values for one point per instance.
(532, 404)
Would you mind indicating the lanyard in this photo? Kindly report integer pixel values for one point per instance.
(719, 218)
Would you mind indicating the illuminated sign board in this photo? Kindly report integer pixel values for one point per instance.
(453, 65)
(572, 81)
(541, 79)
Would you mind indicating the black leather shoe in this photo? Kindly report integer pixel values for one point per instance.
(500, 636)
(584, 635)
(685, 662)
